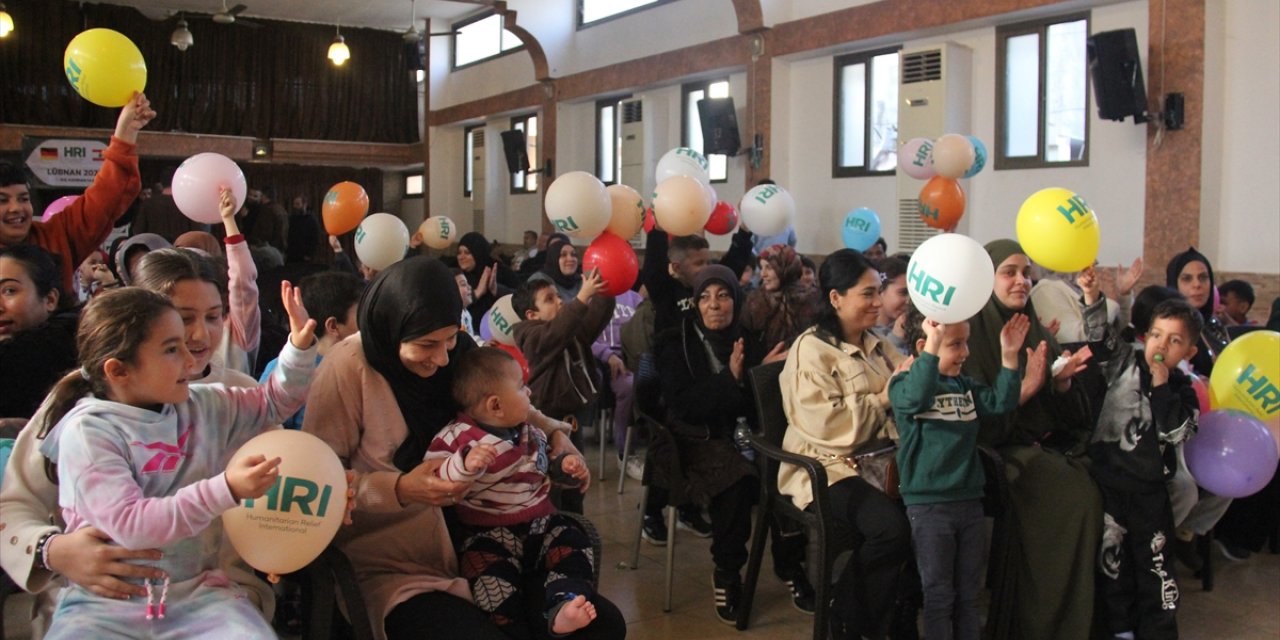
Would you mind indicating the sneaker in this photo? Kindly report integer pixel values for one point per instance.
(1233, 552)
(691, 520)
(728, 595)
(654, 531)
(635, 467)
(1187, 553)
(802, 596)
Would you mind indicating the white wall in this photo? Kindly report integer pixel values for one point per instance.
(1239, 225)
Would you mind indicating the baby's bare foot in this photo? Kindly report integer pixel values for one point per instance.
(575, 614)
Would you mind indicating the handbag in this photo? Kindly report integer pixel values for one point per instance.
(877, 465)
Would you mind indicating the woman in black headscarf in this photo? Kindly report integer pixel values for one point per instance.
(1191, 275)
(562, 268)
(378, 401)
(1044, 574)
(489, 279)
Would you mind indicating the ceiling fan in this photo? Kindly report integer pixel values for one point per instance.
(230, 16)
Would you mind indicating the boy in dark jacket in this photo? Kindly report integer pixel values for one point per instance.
(937, 411)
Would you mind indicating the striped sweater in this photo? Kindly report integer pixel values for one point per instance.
(514, 489)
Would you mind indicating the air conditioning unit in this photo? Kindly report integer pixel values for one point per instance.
(478, 180)
(635, 155)
(933, 84)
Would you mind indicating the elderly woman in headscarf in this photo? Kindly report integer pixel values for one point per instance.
(489, 279)
(784, 305)
(562, 268)
(1045, 573)
(1191, 275)
(380, 398)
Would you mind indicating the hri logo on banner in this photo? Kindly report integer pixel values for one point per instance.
(65, 162)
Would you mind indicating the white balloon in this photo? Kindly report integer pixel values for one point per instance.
(767, 209)
(381, 240)
(578, 205)
(284, 530)
(502, 321)
(683, 161)
(628, 211)
(950, 278)
(198, 183)
(438, 232)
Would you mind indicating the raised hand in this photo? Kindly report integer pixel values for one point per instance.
(778, 352)
(251, 476)
(480, 457)
(1013, 334)
(1089, 284)
(486, 281)
(1074, 363)
(335, 244)
(135, 115)
(227, 211)
(302, 329)
(1033, 377)
(591, 284)
(932, 335)
(1127, 279)
(737, 360)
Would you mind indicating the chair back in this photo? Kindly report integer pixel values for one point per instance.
(767, 390)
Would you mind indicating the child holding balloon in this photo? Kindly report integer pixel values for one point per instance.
(507, 508)
(937, 410)
(1149, 407)
(140, 454)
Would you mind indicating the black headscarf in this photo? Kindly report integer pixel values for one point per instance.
(408, 300)
(481, 250)
(720, 341)
(1180, 262)
(552, 266)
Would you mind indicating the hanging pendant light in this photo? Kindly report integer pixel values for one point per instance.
(339, 53)
(6, 22)
(181, 37)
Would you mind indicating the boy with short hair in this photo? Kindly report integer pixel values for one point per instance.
(1148, 408)
(468, 296)
(507, 510)
(1237, 300)
(937, 411)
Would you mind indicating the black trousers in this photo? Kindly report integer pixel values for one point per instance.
(437, 615)
(730, 512)
(867, 588)
(1135, 563)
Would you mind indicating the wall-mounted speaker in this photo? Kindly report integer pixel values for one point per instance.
(517, 154)
(719, 126)
(1116, 69)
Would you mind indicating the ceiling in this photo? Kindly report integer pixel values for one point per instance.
(392, 15)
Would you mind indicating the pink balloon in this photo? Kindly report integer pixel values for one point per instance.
(1202, 393)
(198, 182)
(915, 158)
(57, 206)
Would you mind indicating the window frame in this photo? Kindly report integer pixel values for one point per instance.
(705, 87)
(421, 176)
(524, 188)
(839, 62)
(616, 103)
(468, 169)
(453, 46)
(620, 14)
(1040, 27)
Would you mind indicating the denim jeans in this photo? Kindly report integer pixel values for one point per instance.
(949, 540)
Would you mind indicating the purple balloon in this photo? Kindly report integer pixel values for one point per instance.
(486, 333)
(57, 206)
(1232, 454)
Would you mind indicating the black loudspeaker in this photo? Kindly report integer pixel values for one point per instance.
(514, 149)
(1116, 69)
(719, 126)
(415, 53)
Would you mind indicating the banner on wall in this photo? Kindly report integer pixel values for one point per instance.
(64, 162)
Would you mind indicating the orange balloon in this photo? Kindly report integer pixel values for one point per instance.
(344, 207)
(941, 203)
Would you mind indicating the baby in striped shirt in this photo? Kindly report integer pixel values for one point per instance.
(512, 529)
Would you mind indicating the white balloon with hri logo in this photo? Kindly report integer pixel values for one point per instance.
(285, 529)
(381, 240)
(502, 321)
(578, 205)
(950, 278)
(438, 232)
(767, 209)
(683, 161)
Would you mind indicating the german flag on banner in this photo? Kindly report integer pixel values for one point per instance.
(48, 153)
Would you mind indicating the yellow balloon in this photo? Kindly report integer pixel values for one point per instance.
(105, 67)
(1058, 230)
(1246, 376)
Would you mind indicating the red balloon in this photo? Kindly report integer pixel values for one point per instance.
(1202, 393)
(649, 220)
(723, 219)
(616, 260)
(515, 353)
(941, 203)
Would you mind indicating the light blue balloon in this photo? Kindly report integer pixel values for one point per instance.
(979, 157)
(861, 229)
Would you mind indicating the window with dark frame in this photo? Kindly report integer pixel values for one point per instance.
(481, 38)
(691, 124)
(413, 185)
(1042, 93)
(864, 133)
(593, 12)
(609, 139)
(469, 158)
(521, 181)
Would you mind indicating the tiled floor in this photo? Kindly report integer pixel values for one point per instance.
(1242, 607)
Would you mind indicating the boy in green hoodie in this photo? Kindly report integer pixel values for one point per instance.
(937, 411)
